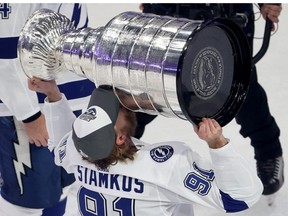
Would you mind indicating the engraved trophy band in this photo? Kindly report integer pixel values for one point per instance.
(169, 66)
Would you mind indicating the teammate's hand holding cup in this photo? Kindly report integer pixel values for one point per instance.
(47, 87)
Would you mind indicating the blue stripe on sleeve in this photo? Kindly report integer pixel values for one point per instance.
(73, 90)
(231, 205)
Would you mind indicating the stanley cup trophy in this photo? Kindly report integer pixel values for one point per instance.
(169, 66)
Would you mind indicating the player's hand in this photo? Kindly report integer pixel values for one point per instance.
(47, 87)
(272, 12)
(37, 131)
(210, 131)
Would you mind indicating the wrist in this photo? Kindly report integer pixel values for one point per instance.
(54, 96)
(218, 142)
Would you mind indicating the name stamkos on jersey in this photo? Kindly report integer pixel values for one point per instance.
(94, 178)
(62, 149)
(162, 153)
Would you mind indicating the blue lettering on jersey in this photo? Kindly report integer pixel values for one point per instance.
(93, 179)
(80, 176)
(114, 182)
(109, 181)
(103, 180)
(140, 185)
(161, 153)
(208, 174)
(127, 183)
(95, 203)
(5, 10)
(199, 181)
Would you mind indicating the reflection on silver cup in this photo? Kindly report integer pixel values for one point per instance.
(169, 66)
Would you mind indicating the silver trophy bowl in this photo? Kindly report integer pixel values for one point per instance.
(163, 65)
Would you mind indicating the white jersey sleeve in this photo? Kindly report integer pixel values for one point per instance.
(227, 183)
(59, 119)
(55, 112)
(235, 178)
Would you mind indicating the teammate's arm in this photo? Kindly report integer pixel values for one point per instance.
(55, 107)
(35, 126)
(36, 130)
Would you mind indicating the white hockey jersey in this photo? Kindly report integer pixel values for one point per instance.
(164, 178)
(15, 97)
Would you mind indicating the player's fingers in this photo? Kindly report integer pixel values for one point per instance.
(31, 84)
(36, 142)
(275, 10)
(209, 125)
(43, 142)
(273, 18)
(272, 12)
(202, 127)
(36, 82)
(210, 129)
(195, 127)
(203, 122)
(215, 123)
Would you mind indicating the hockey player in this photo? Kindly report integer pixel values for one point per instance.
(120, 174)
(32, 183)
